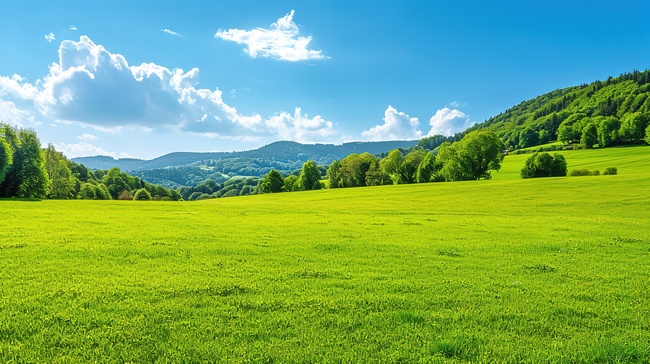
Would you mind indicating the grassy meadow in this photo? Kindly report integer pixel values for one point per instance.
(504, 270)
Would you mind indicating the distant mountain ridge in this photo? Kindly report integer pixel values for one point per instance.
(323, 154)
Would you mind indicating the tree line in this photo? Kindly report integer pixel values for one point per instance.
(471, 158)
(28, 171)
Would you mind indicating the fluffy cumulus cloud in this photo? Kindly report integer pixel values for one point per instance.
(49, 37)
(281, 41)
(92, 86)
(448, 122)
(397, 126)
(300, 127)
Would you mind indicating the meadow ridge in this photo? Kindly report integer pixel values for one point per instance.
(503, 270)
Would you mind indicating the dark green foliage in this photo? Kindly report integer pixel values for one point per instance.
(309, 178)
(634, 125)
(6, 158)
(589, 136)
(375, 176)
(583, 172)
(544, 165)
(354, 168)
(647, 134)
(410, 164)
(608, 130)
(272, 182)
(610, 171)
(142, 195)
(426, 169)
(528, 137)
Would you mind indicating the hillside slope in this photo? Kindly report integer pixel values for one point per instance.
(284, 151)
(576, 106)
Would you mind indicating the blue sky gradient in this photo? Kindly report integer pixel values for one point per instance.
(103, 77)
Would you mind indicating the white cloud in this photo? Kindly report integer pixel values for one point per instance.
(11, 114)
(82, 149)
(300, 127)
(280, 42)
(397, 126)
(49, 37)
(448, 122)
(72, 27)
(88, 137)
(455, 104)
(168, 31)
(92, 86)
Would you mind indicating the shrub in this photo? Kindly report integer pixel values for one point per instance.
(595, 172)
(142, 195)
(125, 195)
(544, 165)
(610, 170)
(580, 172)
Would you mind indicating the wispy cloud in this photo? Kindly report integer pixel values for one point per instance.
(49, 37)
(72, 27)
(87, 137)
(281, 41)
(169, 31)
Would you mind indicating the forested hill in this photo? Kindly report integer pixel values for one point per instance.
(283, 151)
(569, 110)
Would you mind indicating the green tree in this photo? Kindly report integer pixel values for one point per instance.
(62, 182)
(589, 135)
(528, 137)
(87, 192)
(354, 168)
(608, 131)
(6, 158)
(374, 175)
(391, 165)
(565, 134)
(272, 182)
(309, 178)
(544, 165)
(290, 183)
(30, 167)
(427, 169)
(142, 195)
(647, 134)
(634, 125)
(481, 151)
(410, 164)
(117, 182)
(334, 174)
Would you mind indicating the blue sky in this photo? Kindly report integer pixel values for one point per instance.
(145, 78)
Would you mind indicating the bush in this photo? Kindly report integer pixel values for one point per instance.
(125, 195)
(582, 172)
(142, 195)
(544, 165)
(610, 170)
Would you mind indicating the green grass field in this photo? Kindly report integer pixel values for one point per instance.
(505, 270)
